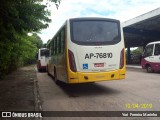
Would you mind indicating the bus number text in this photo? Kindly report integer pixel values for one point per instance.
(98, 55)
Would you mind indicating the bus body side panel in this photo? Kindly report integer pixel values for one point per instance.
(71, 76)
(58, 62)
(61, 65)
(61, 68)
(51, 66)
(156, 61)
(155, 65)
(122, 71)
(152, 60)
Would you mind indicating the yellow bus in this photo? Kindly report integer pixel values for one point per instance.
(87, 50)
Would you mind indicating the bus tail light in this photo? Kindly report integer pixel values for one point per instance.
(121, 59)
(72, 62)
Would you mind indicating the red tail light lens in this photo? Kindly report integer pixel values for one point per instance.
(72, 62)
(121, 59)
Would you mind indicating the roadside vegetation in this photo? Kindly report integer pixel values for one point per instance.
(136, 55)
(18, 18)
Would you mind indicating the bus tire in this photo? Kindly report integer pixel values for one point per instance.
(149, 69)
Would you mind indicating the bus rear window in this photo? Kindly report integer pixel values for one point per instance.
(95, 32)
(44, 53)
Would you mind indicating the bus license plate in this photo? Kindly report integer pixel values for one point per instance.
(98, 64)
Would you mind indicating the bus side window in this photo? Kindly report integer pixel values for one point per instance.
(51, 48)
(59, 43)
(62, 40)
(55, 46)
(157, 49)
(148, 50)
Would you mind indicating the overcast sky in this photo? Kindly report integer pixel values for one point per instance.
(122, 10)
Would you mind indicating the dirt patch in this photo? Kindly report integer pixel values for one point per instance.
(17, 90)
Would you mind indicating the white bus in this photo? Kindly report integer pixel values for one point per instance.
(42, 58)
(151, 57)
(87, 50)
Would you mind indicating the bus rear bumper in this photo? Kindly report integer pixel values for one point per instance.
(84, 77)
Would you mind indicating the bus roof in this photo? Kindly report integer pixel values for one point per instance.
(80, 18)
(96, 18)
(153, 42)
(42, 48)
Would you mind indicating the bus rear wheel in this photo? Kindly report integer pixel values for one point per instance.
(149, 69)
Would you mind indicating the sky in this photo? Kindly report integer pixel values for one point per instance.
(122, 10)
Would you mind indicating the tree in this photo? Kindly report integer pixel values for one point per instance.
(137, 51)
(17, 19)
(36, 40)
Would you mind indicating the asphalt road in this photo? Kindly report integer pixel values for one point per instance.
(140, 91)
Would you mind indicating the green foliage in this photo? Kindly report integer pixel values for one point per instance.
(137, 51)
(36, 40)
(17, 18)
(44, 45)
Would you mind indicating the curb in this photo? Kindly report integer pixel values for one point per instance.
(137, 67)
(38, 105)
